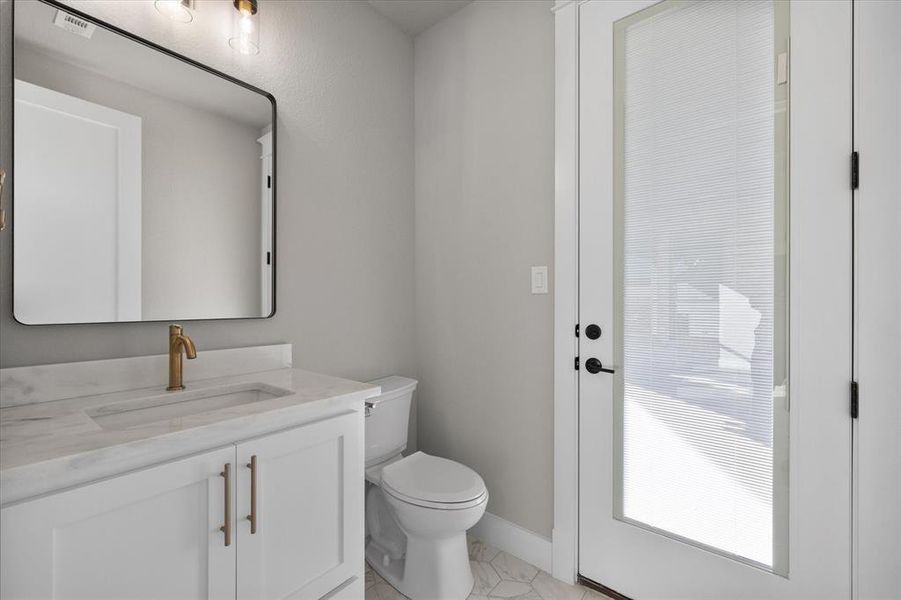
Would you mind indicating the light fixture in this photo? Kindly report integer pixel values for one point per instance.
(245, 27)
(177, 10)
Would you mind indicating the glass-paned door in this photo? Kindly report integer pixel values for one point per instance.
(714, 445)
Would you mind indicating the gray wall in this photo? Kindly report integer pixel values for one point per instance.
(484, 128)
(200, 202)
(344, 81)
(342, 76)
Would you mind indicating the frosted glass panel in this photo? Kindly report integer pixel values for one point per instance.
(701, 275)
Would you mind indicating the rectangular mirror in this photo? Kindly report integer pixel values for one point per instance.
(144, 182)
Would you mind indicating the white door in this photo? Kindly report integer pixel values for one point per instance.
(266, 248)
(78, 210)
(151, 534)
(303, 489)
(715, 437)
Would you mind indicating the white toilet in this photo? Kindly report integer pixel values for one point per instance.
(418, 507)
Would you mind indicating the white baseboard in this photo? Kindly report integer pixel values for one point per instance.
(513, 539)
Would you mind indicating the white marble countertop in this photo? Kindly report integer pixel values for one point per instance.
(50, 446)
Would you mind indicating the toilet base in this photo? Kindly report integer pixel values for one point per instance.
(432, 569)
(389, 569)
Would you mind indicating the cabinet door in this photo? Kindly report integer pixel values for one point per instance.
(149, 534)
(309, 510)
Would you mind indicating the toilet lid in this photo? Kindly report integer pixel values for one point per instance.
(432, 479)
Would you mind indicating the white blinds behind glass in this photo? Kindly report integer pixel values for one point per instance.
(697, 260)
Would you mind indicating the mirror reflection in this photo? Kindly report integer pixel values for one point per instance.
(144, 183)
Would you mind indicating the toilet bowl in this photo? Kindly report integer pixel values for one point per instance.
(418, 508)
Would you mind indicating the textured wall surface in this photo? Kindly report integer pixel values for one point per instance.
(344, 81)
(342, 76)
(484, 214)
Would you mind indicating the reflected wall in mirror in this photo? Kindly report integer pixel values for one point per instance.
(144, 186)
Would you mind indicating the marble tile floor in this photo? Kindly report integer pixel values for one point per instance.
(497, 575)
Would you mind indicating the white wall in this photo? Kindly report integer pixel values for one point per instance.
(200, 169)
(484, 131)
(343, 79)
(878, 139)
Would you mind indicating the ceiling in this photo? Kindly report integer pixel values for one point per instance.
(415, 16)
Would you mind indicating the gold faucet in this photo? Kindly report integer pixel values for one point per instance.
(178, 341)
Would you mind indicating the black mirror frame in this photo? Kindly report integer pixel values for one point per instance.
(130, 36)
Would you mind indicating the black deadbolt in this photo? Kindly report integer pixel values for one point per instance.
(592, 332)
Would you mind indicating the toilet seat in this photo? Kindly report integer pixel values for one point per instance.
(432, 482)
(435, 505)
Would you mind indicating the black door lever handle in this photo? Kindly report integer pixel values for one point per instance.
(593, 365)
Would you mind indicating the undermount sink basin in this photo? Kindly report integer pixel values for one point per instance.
(173, 405)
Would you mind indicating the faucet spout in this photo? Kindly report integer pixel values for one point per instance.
(178, 342)
(188, 345)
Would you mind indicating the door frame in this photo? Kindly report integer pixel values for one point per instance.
(267, 248)
(565, 534)
(876, 568)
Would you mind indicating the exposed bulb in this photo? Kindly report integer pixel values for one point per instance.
(177, 10)
(245, 37)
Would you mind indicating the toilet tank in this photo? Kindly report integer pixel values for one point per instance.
(387, 417)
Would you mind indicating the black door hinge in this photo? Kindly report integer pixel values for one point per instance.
(268, 182)
(855, 170)
(269, 258)
(576, 363)
(855, 400)
(577, 330)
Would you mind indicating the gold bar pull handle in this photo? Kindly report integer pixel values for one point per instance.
(227, 528)
(252, 517)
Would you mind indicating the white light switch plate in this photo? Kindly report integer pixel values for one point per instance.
(539, 280)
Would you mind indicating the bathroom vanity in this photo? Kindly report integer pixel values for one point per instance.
(146, 191)
(248, 484)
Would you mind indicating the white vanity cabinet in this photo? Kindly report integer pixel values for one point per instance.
(309, 510)
(158, 532)
(149, 534)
